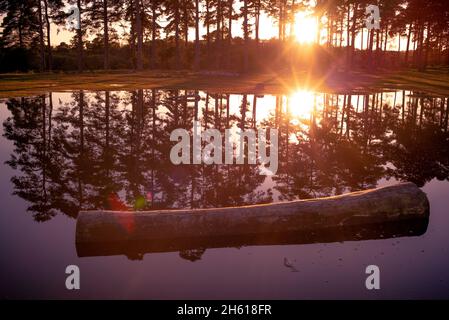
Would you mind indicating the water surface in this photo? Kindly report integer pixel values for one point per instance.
(68, 151)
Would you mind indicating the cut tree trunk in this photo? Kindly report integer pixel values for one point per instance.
(404, 201)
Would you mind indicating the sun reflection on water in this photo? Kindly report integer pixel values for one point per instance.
(301, 104)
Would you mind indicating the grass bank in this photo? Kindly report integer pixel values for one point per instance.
(433, 81)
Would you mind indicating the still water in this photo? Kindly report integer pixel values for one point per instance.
(68, 151)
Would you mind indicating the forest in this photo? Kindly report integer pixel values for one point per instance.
(221, 35)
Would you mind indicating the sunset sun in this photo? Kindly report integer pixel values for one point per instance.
(305, 28)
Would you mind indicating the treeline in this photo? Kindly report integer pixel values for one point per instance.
(150, 34)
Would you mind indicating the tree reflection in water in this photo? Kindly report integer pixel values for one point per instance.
(110, 150)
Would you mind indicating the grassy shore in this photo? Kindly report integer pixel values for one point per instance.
(433, 81)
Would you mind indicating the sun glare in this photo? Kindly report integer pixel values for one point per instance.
(305, 28)
(302, 103)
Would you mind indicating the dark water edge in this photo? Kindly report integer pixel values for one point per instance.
(34, 255)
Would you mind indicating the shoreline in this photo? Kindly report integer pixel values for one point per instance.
(435, 81)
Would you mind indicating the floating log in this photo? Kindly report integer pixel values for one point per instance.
(401, 209)
(401, 202)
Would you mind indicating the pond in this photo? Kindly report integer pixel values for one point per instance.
(63, 152)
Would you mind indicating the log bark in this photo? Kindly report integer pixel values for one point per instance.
(393, 204)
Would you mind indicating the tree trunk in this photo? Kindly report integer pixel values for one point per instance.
(153, 35)
(177, 53)
(385, 42)
(81, 158)
(186, 28)
(218, 36)
(281, 20)
(139, 31)
(407, 49)
(379, 35)
(446, 119)
(79, 34)
(106, 34)
(257, 22)
(41, 37)
(230, 33)
(348, 22)
(420, 48)
(197, 36)
(426, 57)
(254, 110)
(353, 32)
(245, 33)
(49, 49)
(341, 22)
(447, 50)
(132, 36)
(20, 35)
(370, 48)
(361, 40)
(208, 30)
